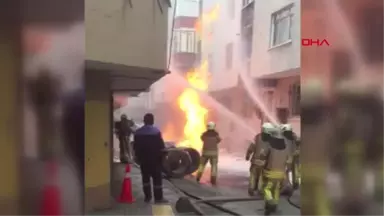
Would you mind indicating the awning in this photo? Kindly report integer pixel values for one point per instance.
(281, 74)
(128, 80)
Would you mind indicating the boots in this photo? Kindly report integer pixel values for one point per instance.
(251, 192)
(198, 177)
(270, 208)
(213, 180)
(123, 159)
(158, 193)
(147, 193)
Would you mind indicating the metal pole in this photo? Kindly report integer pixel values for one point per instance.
(200, 55)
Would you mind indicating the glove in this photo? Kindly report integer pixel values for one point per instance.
(247, 158)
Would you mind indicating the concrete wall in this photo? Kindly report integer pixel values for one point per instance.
(282, 99)
(235, 137)
(97, 141)
(225, 30)
(9, 131)
(116, 33)
(267, 59)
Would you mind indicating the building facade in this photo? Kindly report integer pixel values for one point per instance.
(274, 64)
(222, 47)
(118, 60)
(254, 52)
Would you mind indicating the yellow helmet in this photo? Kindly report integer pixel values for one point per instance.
(211, 125)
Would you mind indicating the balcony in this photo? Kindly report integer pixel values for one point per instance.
(185, 49)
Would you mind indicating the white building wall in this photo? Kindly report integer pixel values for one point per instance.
(187, 8)
(267, 59)
(134, 36)
(225, 30)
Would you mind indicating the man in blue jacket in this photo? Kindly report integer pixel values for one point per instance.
(148, 148)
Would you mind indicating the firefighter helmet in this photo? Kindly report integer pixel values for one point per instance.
(211, 125)
(268, 128)
(286, 127)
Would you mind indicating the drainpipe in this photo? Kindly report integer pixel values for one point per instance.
(200, 56)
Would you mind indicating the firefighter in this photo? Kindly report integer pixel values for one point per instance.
(252, 155)
(296, 166)
(149, 147)
(124, 131)
(210, 139)
(292, 144)
(276, 155)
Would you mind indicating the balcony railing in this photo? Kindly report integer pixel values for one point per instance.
(185, 41)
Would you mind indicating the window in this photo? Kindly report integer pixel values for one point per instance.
(281, 26)
(229, 56)
(295, 96)
(184, 41)
(247, 2)
(231, 9)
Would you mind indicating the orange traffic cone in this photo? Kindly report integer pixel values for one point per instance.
(126, 195)
(51, 201)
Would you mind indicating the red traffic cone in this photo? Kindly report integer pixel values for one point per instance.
(126, 195)
(51, 197)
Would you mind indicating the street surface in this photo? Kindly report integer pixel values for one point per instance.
(232, 182)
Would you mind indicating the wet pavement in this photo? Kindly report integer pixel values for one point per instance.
(232, 182)
(236, 185)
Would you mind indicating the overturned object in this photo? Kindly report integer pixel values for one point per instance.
(179, 162)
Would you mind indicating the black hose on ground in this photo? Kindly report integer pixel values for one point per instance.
(218, 207)
(292, 203)
(181, 191)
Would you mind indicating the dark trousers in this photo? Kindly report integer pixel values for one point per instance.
(125, 147)
(152, 171)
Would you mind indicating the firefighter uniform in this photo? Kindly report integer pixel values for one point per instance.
(292, 144)
(124, 132)
(276, 156)
(253, 155)
(210, 139)
(296, 166)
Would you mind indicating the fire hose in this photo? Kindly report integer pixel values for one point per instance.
(180, 162)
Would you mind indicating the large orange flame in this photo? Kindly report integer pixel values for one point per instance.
(207, 20)
(189, 100)
(190, 103)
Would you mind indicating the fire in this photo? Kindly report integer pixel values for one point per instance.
(189, 100)
(190, 103)
(168, 133)
(207, 19)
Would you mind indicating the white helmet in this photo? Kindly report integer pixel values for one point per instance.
(211, 125)
(286, 127)
(268, 128)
